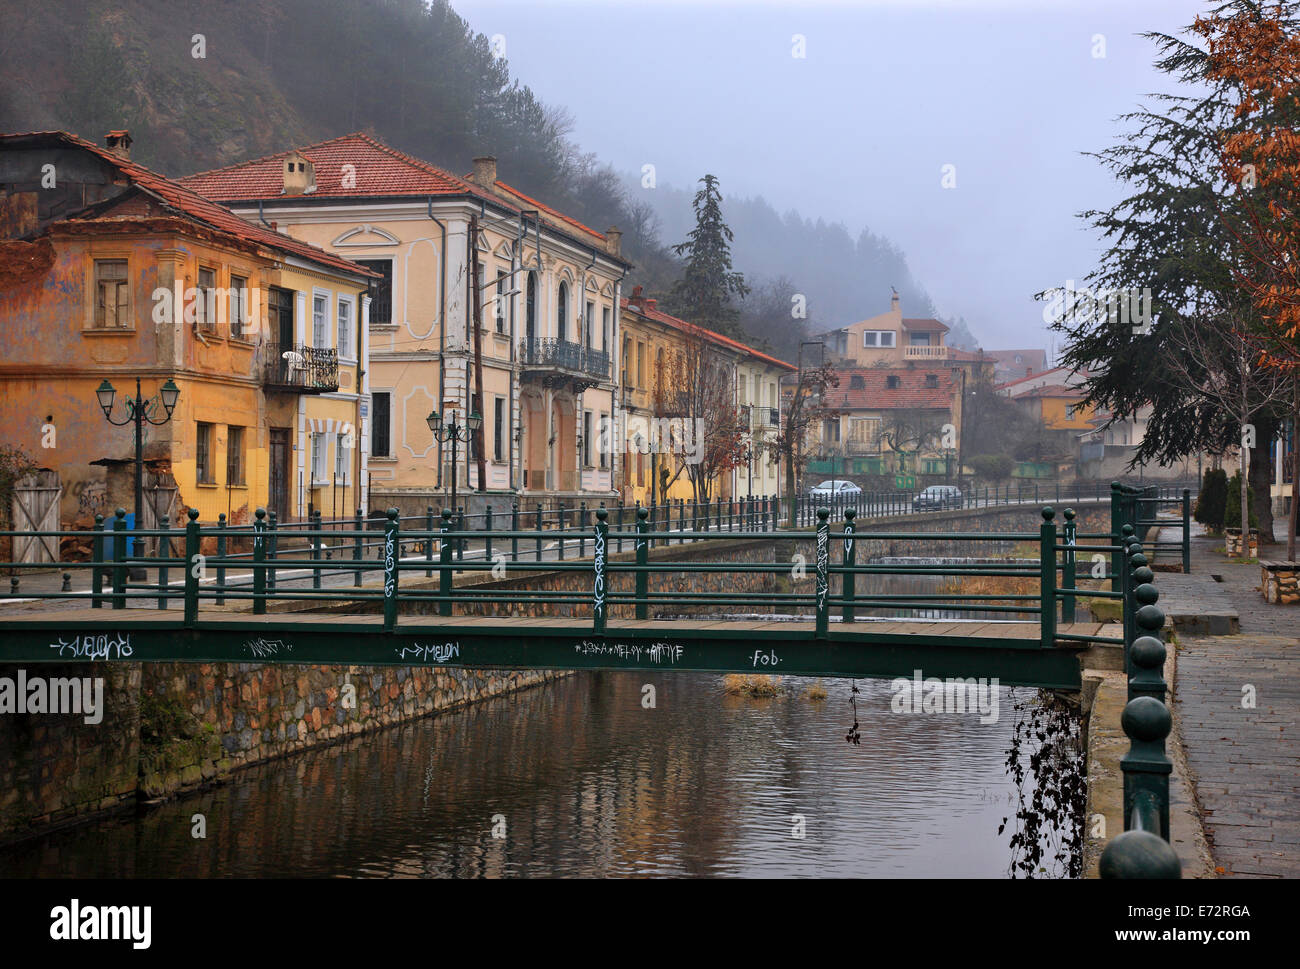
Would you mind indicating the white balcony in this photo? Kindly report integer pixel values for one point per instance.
(925, 353)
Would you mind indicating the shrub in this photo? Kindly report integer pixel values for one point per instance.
(1232, 506)
(1210, 503)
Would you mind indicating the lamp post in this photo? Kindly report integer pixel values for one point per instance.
(136, 414)
(448, 430)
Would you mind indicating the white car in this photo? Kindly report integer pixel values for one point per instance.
(835, 489)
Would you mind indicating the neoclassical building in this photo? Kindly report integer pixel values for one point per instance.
(539, 370)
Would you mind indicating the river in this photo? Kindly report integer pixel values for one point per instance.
(583, 779)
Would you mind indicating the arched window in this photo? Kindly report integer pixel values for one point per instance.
(530, 313)
(562, 312)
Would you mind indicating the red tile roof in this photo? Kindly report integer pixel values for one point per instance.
(1039, 376)
(643, 309)
(379, 170)
(192, 205)
(1054, 391)
(876, 394)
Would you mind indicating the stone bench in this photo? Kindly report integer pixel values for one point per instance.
(1280, 581)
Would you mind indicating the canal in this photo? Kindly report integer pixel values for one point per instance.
(584, 778)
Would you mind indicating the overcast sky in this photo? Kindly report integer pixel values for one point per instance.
(858, 130)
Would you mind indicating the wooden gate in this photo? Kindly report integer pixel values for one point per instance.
(36, 508)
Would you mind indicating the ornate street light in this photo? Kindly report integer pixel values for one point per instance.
(448, 430)
(137, 414)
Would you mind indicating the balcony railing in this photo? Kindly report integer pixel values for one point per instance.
(303, 368)
(564, 355)
(925, 353)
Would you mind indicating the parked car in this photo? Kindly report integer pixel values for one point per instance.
(837, 490)
(936, 498)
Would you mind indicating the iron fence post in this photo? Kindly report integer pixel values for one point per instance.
(1047, 578)
(119, 556)
(1116, 526)
(850, 561)
(164, 552)
(1068, 567)
(487, 537)
(1187, 531)
(221, 556)
(356, 548)
(272, 548)
(539, 531)
(315, 549)
(192, 567)
(97, 573)
(261, 541)
(642, 583)
(514, 527)
(582, 529)
(823, 577)
(428, 542)
(444, 561)
(598, 552)
(391, 555)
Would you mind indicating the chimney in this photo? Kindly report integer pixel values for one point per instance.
(651, 304)
(485, 172)
(119, 143)
(299, 175)
(1029, 370)
(614, 241)
(634, 300)
(893, 301)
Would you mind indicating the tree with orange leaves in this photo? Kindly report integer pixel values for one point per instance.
(1257, 51)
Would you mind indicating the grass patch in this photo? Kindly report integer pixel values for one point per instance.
(751, 684)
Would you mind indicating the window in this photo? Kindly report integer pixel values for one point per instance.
(345, 328)
(830, 431)
(893, 382)
(627, 359)
(340, 460)
(471, 447)
(280, 322)
(319, 322)
(502, 301)
(112, 295)
(863, 430)
(590, 325)
(381, 291)
(640, 364)
(238, 304)
(498, 429)
(562, 312)
(857, 382)
(604, 425)
(205, 308)
(234, 455)
(380, 425)
(919, 339)
(317, 457)
(932, 380)
(586, 438)
(203, 454)
(877, 338)
(1069, 412)
(604, 328)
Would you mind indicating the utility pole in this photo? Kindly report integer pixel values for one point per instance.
(475, 286)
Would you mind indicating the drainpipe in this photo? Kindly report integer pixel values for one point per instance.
(442, 316)
(260, 217)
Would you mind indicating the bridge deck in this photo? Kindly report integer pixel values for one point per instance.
(1009, 651)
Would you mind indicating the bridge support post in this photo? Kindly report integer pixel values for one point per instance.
(97, 573)
(598, 553)
(391, 556)
(444, 561)
(1047, 579)
(642, 555)
(192, 560)
(823, 571)
(850, 562)
(1068, 572)
(260, 542)
(119, 557)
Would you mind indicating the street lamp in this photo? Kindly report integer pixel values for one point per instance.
(136, 413)
(449, 430)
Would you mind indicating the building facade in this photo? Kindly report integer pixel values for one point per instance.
(114, 273)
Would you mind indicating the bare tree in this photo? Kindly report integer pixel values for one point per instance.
(806, 405)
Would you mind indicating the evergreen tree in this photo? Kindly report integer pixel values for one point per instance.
(704, 292)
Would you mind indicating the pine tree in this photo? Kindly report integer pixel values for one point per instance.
(704, 292)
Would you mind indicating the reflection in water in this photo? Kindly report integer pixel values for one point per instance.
(589, 783)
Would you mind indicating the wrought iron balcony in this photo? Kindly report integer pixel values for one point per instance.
(560, 361)
(296, 367)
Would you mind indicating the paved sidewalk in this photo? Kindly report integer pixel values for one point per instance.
(1238, 702)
